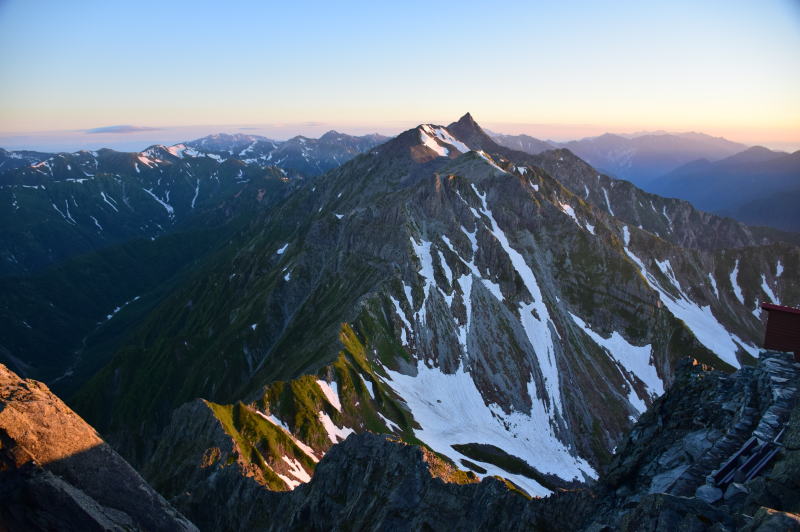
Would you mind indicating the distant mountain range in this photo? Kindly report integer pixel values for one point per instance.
(10, 160)
(639, 159)
(755, 185)
(66, 204)
(524, 143)
(298, 156)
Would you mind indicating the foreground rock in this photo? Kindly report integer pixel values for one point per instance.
(374, 482)
(660, 478)
(56, 473)
(657, 481)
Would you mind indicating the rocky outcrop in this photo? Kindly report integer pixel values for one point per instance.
(375, 482)
(657, 480)
(661, 476)
(56, 470)
(56, 473)
(371, 483)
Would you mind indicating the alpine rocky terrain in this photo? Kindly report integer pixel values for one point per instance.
(656, 481)
(85, 234)
(55, 472)
(512, 314)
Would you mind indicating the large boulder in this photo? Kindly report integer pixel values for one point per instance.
(56, 473)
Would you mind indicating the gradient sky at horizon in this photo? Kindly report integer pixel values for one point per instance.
(573, 68)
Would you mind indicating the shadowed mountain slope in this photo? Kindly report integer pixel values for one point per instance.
(454, 293)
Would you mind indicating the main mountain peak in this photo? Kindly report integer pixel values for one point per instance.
(427, 142)
(467, 120)
(468, 130)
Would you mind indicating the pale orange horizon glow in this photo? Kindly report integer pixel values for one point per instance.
(553, 70)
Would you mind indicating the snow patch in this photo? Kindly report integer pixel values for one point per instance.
(335, 434)
(164, 204)
(713, 285)
(428, 139)
(666, 216)
(146, 161)
(331, 393)
(450, 410)
(296, 470)
(177, 150)
(737, 291)
(448, 273)
(66, 215)
(489, 160)
(535, 316)
(370, 388)
(569, 211)
(608, 203)
(635, 360)
(278, 423)
(196, 192)
(107, 198)
(767, 290)
(444, 135)
(389, 423)
(117, 309)
(403, 318)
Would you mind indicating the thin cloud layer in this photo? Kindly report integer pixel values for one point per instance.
(122, 129)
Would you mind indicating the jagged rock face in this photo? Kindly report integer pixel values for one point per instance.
(673, 220)
(690, 433)
(381, 485)
(57, 473)
(371, 482)
(488, 312)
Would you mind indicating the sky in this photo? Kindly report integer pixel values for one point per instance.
(560, 70)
